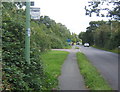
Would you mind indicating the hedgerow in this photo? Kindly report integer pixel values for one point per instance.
(17, 73)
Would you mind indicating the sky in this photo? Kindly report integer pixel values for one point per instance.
(70, 13)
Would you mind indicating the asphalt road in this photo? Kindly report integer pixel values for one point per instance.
(106, 63)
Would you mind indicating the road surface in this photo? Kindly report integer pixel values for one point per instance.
(106, 63)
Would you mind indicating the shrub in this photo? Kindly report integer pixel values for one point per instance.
(17, 73)
(56, 43)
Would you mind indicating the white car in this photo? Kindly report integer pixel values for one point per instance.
(86, 45)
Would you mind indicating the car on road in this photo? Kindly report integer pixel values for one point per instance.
(86, 45)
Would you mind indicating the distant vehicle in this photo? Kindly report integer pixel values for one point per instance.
(86, 45)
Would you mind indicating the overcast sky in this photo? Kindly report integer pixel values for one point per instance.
(70, 13)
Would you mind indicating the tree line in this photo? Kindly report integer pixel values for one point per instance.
(104, 34)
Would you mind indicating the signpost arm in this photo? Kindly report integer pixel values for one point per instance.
(27, 33)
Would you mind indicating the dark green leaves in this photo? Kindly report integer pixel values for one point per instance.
(112, 9)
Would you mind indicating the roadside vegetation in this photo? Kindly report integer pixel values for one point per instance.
(46, 34)
(114, 50)
(103, 34)
(92, 77)
(76, 47)
(52, 61)
(68, 47)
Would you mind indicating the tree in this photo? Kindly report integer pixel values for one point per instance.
(17, 73)
(102, 34)
(100, 7)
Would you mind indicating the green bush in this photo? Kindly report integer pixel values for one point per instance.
(17, 73)
(56, 43)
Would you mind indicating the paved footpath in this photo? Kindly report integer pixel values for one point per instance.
(70, 78)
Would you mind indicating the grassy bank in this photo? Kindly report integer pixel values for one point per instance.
(114, 50)
(53, 61)
(68, 47)
(93, 79)
(76, 47)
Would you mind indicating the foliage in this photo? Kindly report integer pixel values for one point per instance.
(56, 43)
(39, 38)
(77, 48)
(93, 79)
(75, 38)
(68, 47)
(104, 34)
(104, 8)
(17, 73)
(114, 50)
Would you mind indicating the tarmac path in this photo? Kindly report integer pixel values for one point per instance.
(70, 78)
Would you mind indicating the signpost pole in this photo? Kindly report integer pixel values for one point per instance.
(27, 33)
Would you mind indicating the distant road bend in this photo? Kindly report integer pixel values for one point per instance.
(106, 63)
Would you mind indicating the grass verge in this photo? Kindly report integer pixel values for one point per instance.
(76, 47)
(68, 47)
(93, 79)
(114, 50)
(53, 61)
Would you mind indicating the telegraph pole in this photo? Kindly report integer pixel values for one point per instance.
(27, 33)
